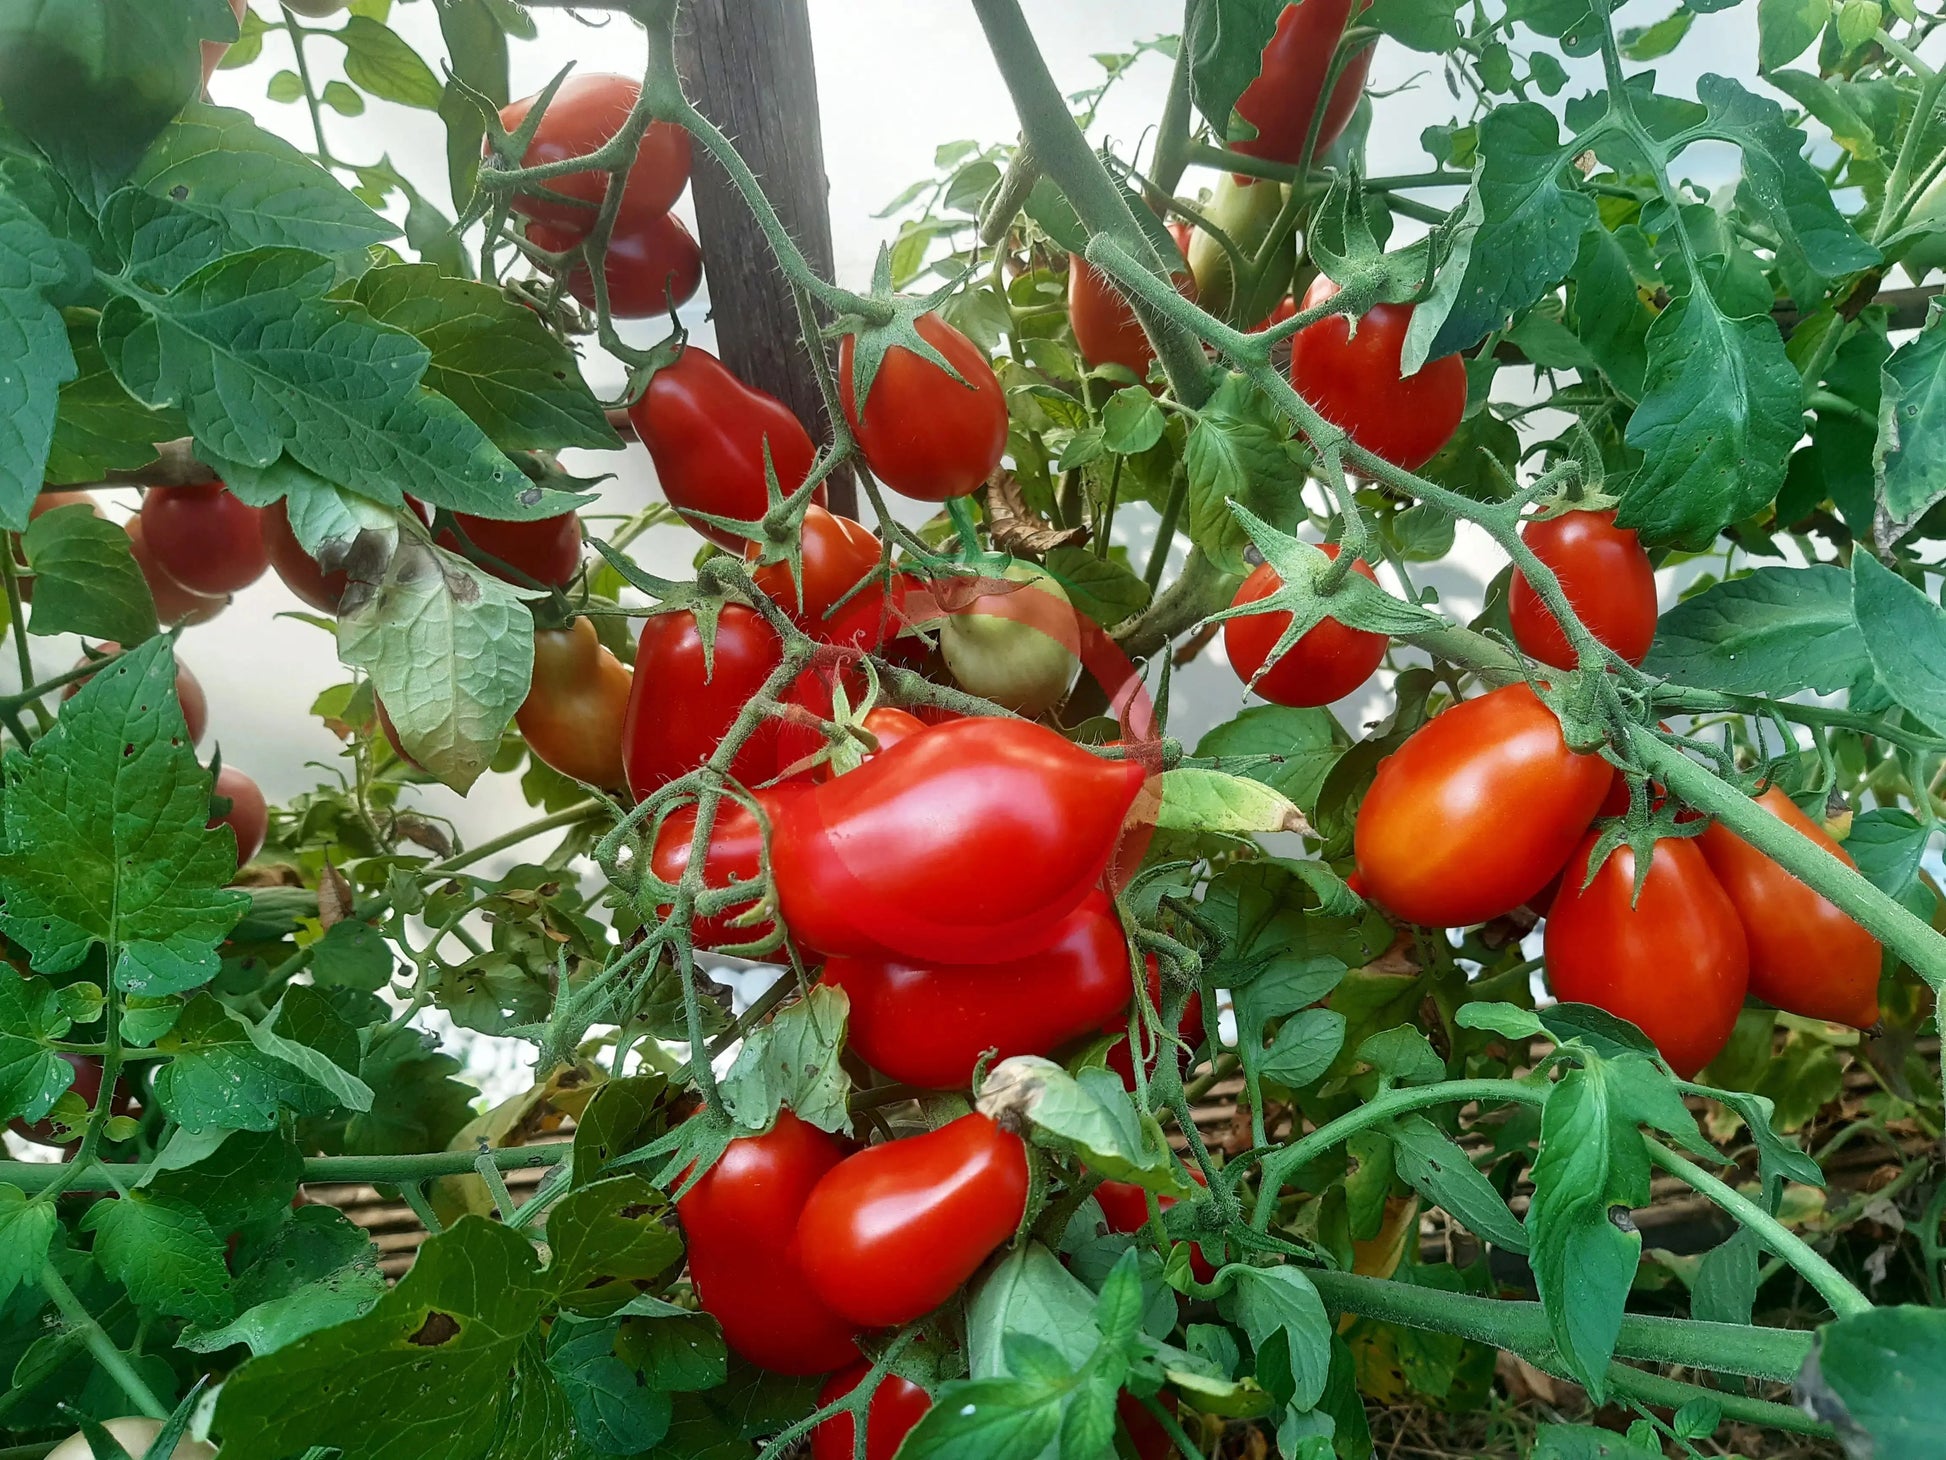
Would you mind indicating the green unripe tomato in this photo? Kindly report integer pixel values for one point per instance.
(134, 1434)
(317, 9)
(1012, 646)
(1245, 209)
(1923, 255)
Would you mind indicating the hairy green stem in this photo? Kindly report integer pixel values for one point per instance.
(32, 1176)
(113, 1361)
(571, 816)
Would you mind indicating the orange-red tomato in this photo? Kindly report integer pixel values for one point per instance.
(1806, 956)
(586, 112)
(897, 1405)
(203, 537)
(248, 816)
(924, 434)
(1608, 579)
(576, 705)
(653, 265)
(811, 691)
(835, 554)
(1675, 965)
(547, 550)
(1283, 98)
(1326, 664)
(189, 692)
(1106, 330)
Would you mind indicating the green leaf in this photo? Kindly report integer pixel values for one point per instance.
(35, 344)
(1721, 409)
(1608, 314)
(1585, 1442)
(344, 1088)
(218, 1079)
(1880, 1370)
(379, 62)
(101, 427)
(1509, 1021)
(1237, 451)
(1305, 1046)
(1200, 800)
(1772, 631)
(431, 1357)
(678, 1350)
(615, 1411)
(320, 1270)
(1421, 25)
(1889, 845)
(1427, 1159)
(417, 1105)
(1517, 238)
(1909, 459)
(1786, 28)
(1651, 43)
(164, 1252)
(997, 1419)
(26, 1228)
(32, 1076)
(1131, 422)
(450, 650)
(1271, 959)
(1225, 40)
(476, 51)
(1090, 1113)
(106, 835)
(610, 1235)
(793, 1060)
(1905, 635)
(1104, 590)
(492, 358)
(86, 581)
(1030, 1292)
(352, 955)
(1404, 1055)
(1306, 743)
(1266, 1301)
(623, 1115)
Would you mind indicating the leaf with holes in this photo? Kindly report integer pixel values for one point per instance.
(164, 1252)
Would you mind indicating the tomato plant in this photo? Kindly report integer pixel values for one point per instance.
(924, 433)
(896, 1405)
(203, 538)
(585, 112)
(1327, 662)
(1607, 578)
(712, 684)
(576, 708)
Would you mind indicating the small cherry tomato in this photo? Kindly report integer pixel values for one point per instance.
(87, 1086)
(1189, 1028)
(682, 702)
(585, 114)
(897, 1405)
(735, 855)
(1282, 100)
(835, 554)
(652, 266)
(547, 550)
(576, 705)
(739, 1221)
(248, 817)
(1353, 381)
(707, 433)
(1476, 811)
(189, 691)
(1327, 663)
(204, 538)
(890, 1233)
(930, 1025)
(1608, 579)
(924, 434)
(299, 570)
(174, 604)
(1806, 957)
(1018, 647)
(1145, 1431)
(1675, 965)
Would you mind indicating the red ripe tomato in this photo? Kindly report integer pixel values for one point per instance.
(248, 816)
(1283, 98)
(87, 1085)
(890, 1233)
(897, 1405)
(299, 570)
(1806, 957)
(1106, 330)
(174, 604)
(1326, 664)
(547, 550)
(811, 691)
(968, 843)
(836, 553)
(738, 1221)
(924, 434)
(680, 705)
(1286, 308)
(868, 622)
(576, 705)
(189, 691)
(1145, 1431)
(652, 266)
(391, 733)
(707, 433)
(929, 1026)
(204, 538)
(1675, 964)
(1353, 381)
(1608, 580)
(1473, 814)
(1125, 1207)
(1189, 1027)
(735, 854)
(585, 113)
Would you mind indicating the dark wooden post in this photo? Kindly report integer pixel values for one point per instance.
(747, 64)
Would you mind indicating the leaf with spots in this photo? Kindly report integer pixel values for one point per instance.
(164, 1252)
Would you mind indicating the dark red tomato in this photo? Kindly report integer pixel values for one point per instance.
(248, 816)
(1353, 381)
(1806, 956)
(1286, 309)
(869, 622)
(87, 1085)
(547, 550)
(1675, 965)
(585, 114)
(189, 691)
(1282, 100)
(680, 705)
(391, 733)
(836, 553)
(929, 1025)
(1473, 814)
(1189, 1027)
(1326, 664)
(576, 705)
(897, 1405)
(924, 434)
(891, 1232)
(652, 266)
(204, 538)
(707, 433)
(736, 850)
(1125, 1207)
(967, 843)
(1608, 580)
(174, 604)
(739, 1221)
(299, 570)
(1145, 1431)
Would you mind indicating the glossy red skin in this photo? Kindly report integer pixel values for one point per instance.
(1476, 811)
(865, 621)
(924, 434)
(576, 705)
(189, 693)
(836, 554)
(679, 707)
(967, 843)
(1151, 1440)
(1106, 330)
(1326, 664)
(248, 816)
(653, 265)
(897, 1405)
(1125, 1207)
(736, 848)
(174, 604)
(706, 432)
(1189, 1027)
(1353, 380)
(87, 1084)
(299, 570)
(204, 538)
(1286, 309)
(547, 550)
(930, 1025)
(1281, 101)
(1608, 579)
(739, 1220)
(1676, 965)
(812, 691)
(891, 1232)
(1806, 957)
(584, 114)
